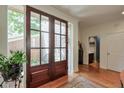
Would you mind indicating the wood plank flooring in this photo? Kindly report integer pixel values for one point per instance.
(106, 78)
(56, 83)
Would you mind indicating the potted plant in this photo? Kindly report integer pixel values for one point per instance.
(11, 67)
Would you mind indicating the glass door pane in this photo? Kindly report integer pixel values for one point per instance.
(63, 41)
(44, 39)
(35, 57)
(63, 28)
(57, 55)
(44, 23)
(35, 21)
(44, 56)
(57, 40)
(63, 54)
(57, 26)
(35, 39)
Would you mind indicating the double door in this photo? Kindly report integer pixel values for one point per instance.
(46, 47)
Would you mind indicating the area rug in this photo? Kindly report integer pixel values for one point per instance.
(81, 82)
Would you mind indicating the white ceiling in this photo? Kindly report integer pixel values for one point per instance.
(93, 14)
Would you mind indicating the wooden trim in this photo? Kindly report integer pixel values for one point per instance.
(60, 40)
(40, 40)
(45, 14)
(51, 48)
(67, 46)
(27, 47)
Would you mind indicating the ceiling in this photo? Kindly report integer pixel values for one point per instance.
(93, 14)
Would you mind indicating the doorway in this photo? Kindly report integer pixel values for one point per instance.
(115, 53)
(94, 52)
(80, 53)
(46, 47)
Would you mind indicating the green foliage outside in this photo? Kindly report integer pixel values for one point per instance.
(16, 23)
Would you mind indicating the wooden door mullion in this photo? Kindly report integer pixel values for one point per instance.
(67, 47)
(40, 40)
(51, 41)
(28, 47)
(60, 40)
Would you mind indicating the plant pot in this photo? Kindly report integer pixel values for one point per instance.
(5, 76)
(13, 73)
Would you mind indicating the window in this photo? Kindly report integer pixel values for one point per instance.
(15, 30)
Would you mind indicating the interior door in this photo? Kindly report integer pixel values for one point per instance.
(46, 47)
(116, 52)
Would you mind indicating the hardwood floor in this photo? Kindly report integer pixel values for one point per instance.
(106, 78)
(59, 82)
(56, 83)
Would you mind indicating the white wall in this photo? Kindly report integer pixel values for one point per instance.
(53, 11)
(79, 33)
(3, 30)
(101, 30)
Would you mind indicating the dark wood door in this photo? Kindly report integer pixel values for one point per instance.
(60, 48)
(46, 47)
